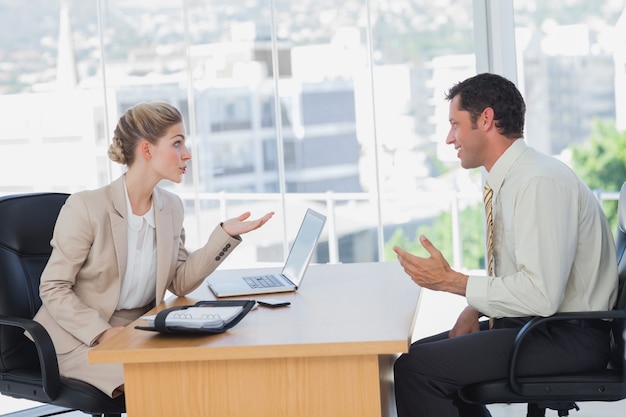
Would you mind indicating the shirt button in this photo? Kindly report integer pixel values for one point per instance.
(221, 253)
(217, 258)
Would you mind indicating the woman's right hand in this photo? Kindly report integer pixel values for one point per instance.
(107, 334)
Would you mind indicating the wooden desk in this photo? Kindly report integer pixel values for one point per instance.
(329, 354)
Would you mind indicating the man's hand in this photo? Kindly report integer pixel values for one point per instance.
(238, 225)
(433, 272)
(466, 323)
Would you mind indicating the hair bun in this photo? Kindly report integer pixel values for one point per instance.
(116, 152)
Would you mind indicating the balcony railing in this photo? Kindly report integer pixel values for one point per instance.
(386, 211)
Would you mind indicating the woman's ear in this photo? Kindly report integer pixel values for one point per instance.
(144, 147)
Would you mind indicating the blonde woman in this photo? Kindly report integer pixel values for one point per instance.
(117, 249)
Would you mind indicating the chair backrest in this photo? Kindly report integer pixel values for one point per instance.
(26, 225)
(620, 245)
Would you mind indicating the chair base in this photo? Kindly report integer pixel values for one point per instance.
(539, 410)
(48, 410)
(40, 411)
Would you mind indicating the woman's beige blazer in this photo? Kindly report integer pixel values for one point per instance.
(80, 285)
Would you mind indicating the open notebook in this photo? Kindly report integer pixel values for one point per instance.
(204, 317)
(198, 317)
(293, 270)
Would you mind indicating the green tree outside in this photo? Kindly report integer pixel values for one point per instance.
(601, 162)
(439, 233)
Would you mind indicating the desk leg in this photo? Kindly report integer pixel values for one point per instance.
(346, 386)
(387, 390)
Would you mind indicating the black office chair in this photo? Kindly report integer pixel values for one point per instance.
(561, 392)
(30, 370)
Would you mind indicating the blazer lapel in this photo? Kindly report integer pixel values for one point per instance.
(164, 243)
(119, 226)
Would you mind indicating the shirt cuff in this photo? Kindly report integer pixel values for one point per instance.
(476, 293)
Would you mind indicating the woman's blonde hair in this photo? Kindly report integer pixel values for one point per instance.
(148, 121)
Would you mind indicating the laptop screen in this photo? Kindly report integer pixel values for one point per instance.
(303, 246)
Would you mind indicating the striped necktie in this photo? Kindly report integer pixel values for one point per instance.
(487, 198)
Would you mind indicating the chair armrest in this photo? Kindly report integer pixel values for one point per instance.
(45, 351)
(536, 321)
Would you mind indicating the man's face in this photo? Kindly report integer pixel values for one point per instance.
(467, 138)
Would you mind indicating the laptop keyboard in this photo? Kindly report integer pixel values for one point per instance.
(263, 281)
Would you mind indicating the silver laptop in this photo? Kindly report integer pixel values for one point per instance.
(292, 273)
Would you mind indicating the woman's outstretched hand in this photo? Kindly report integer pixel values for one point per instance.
(239, 225)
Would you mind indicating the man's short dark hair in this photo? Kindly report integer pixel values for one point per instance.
(491, 90)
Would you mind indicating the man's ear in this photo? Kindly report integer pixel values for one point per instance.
(486, 118)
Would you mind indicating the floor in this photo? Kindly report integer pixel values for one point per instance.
(445, 308)
(617, 409)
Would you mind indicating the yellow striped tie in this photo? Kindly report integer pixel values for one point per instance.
(487, 198)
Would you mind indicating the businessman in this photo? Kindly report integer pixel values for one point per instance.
(549, 250)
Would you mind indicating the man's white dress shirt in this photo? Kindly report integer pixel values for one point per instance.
(553, 247)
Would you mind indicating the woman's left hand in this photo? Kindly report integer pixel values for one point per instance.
(239, 225)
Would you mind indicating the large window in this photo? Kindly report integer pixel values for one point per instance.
(287, 105)
(569, 64)
(327, 104)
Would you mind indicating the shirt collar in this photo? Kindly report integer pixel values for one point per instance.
(499, 170)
